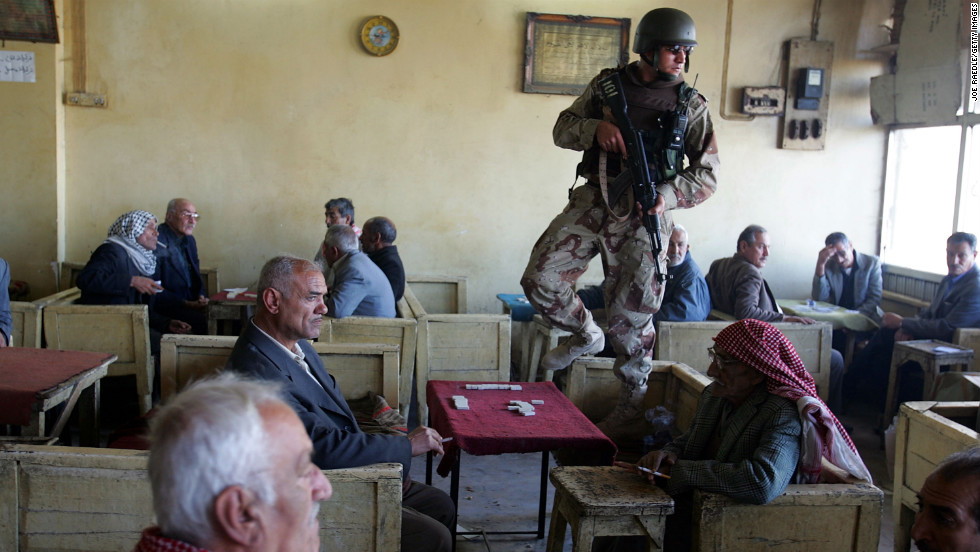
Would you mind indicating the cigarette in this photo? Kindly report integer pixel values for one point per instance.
(658, 474)
(163, 245)
(447, 439)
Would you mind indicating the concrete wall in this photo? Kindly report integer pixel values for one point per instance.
(260, 111)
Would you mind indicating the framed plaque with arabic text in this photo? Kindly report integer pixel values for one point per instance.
(564, 52)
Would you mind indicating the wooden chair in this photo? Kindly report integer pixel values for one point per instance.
(211, 283)
(687, 343)
(64, 297)
(969, 337)
(440, 294)
(462, 347)
(123, 330)
(927, 432)
(27, 324)
(358, 368)
(86, 499)
(815, 518)
(68, 274)
(400, 332)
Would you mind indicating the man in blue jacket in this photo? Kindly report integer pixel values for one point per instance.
(686, 296)
(359, 287)
(6, 321)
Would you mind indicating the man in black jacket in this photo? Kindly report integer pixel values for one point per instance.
(376, 240)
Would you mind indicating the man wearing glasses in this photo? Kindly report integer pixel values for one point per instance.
(184, 296)
(746, 436)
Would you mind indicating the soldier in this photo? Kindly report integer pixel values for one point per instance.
(659, 102)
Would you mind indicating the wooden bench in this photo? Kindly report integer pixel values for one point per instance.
(358, 368)
(687, 343)
(401, 332)
(828, 517)
(462, 347)
(81, 499)
(927, 432)
(26, 324)
(123, 330)
(439, 294)
(64, 297)
(899, 303)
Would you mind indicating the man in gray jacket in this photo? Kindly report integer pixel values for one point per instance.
(847, 278)
(359, 287)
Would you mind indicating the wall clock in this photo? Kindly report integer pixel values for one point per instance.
(379, 35)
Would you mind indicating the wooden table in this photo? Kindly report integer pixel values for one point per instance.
(923, 351)
(488, 427)
(33, 381)
(224, 311)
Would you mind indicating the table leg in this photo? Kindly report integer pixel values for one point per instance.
(88, 416)
(897, 360)
(542, 501)
(454, 494)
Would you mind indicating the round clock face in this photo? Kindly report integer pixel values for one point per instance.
(379, 35)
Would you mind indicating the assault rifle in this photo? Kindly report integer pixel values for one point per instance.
(644, 184)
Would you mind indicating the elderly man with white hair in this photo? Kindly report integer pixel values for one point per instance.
(359, 287)
(231, 469)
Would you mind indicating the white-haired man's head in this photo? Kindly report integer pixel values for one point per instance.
(230, 466)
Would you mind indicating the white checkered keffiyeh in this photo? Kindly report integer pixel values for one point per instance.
(124, 232)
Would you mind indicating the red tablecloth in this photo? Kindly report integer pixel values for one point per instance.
(25, 372)
(244, 297)
(488, 427)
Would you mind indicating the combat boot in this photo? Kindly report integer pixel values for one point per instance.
(589, 342)
(627, 422)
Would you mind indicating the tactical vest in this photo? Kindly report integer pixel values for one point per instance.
(654, 112)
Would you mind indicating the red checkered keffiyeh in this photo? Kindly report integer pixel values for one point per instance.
(153, 541)
(766, 349)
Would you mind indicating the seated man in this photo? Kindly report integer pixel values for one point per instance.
(745, 439)
(847, 278)
(274, 347)
(956, 305)
(377, 241)
(121, 270)
(230, 470)
(6, 321)
(340, 210)
(686, 297)
(949, 506)
(359, 287)
(184, 296)
(738, 289)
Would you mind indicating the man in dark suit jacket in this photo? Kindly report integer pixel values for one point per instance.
(956, 305)
(274, 346)
(183, 296)
(377, 240)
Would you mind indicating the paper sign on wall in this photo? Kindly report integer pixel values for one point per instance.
(16, 66)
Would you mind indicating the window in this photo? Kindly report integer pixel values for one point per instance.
(932, 189)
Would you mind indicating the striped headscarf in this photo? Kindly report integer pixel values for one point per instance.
(766, 349)
(124, 232)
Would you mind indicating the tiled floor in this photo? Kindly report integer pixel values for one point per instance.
(500, 493)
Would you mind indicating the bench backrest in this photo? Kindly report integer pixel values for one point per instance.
(69, 273)
(687, 343)
(592, 387)
(72, 498)
(969, 337)
(439, 294)
(26, 324)
(400, 332)
(123, 330)
(358, 368)
(66, 296)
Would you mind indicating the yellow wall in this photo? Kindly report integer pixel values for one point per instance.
(261, 110)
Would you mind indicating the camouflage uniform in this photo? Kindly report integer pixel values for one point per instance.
(585, 229)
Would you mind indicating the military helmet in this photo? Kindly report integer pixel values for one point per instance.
(664, 26)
